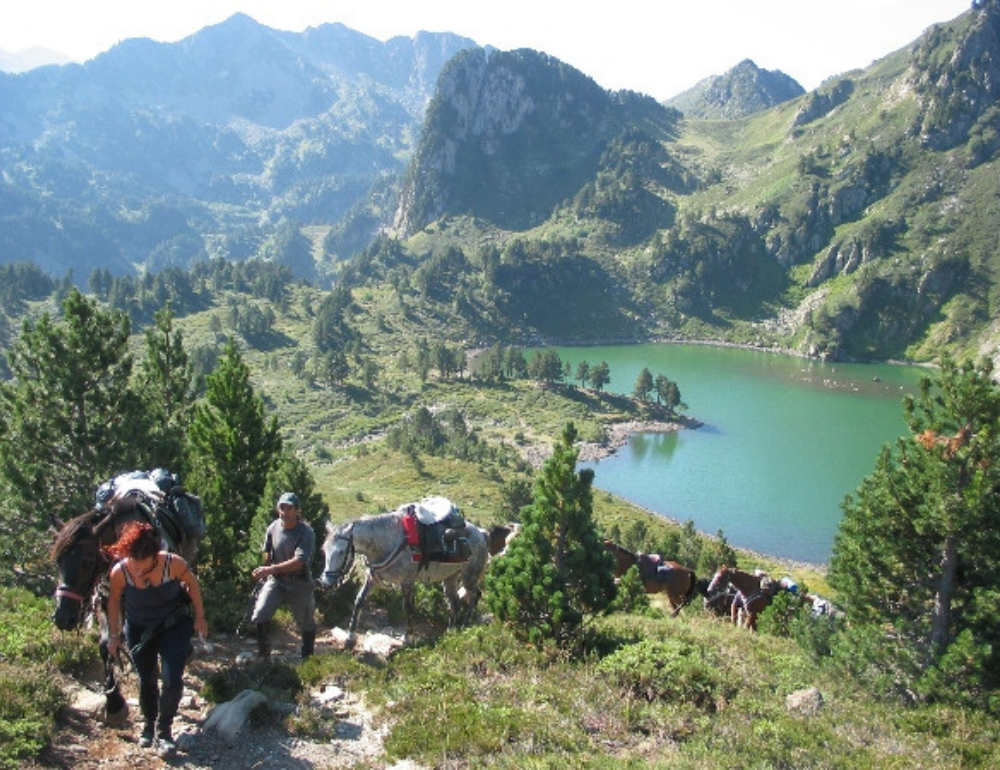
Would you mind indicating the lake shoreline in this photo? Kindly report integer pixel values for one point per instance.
(714, 343)
(615, 436)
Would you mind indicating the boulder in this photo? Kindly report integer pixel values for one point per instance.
(805, 702)
(228, 719)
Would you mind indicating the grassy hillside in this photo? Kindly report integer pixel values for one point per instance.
(638, 689)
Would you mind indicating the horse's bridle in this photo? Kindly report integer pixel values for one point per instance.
(334, 578)
(64, 591)
(373, 569)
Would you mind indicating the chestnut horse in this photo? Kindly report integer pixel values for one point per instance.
(751, 597)
(658, 575)
(719, 602)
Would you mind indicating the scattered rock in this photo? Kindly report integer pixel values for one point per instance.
(87, 742)
(328, 694)
(805, 702)
(228, 718)
(382, 645)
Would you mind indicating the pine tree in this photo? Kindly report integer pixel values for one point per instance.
(233, 449)
(546, 366)
(918, 549)
(643, 385)
(557, 571)
(667, 393)
(600, 375)
(69, 418)
(165, 384)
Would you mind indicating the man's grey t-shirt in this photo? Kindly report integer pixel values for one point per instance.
(284, 544)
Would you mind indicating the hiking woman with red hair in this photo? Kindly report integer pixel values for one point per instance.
(163, 608)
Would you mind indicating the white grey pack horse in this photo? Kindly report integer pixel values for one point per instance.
(381, 540)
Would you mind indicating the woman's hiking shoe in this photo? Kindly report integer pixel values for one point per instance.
(165, 747)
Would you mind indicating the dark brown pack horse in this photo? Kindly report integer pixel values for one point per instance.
(751, 598)
(83, 566)
(658, 575)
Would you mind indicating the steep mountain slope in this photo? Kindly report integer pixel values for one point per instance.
(511, 134)
(851, 221)
(138, 155)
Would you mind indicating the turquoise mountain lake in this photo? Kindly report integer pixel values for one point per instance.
(784, 441)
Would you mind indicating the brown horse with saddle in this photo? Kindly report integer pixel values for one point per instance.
(753, 593)
(658, 575)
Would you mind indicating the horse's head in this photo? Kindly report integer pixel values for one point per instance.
(81, 564)
(624, 558)
(500, 536)
(720, 579)
(339, 550)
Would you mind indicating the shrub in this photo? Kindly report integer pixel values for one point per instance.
(814, 634)
(664, 670)
(777, 617)
(632, 595)
(275, 680)
(27, 633)
(30, 698)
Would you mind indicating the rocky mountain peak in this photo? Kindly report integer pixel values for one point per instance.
(742, 91)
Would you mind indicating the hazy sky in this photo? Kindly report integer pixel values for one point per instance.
(659, 47)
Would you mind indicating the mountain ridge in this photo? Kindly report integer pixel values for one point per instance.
(795, 225)
(807, 225)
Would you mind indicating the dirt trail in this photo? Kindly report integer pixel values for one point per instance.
(85, 742)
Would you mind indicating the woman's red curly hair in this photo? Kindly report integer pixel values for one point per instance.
(138, 540)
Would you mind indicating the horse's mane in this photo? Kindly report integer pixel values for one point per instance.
(619, 548)
(126, 509)
(69, 534)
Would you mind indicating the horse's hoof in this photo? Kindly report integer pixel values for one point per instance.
(119, 717)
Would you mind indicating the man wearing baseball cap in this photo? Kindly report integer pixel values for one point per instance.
(288, 548)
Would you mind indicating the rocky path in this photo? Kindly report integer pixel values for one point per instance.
(85, 741)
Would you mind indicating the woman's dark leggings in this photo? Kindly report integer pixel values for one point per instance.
(171, 649)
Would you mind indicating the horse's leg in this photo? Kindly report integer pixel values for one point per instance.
(359, 602)
(409, 590)
(691, 590)
(451, 593)
(468, 602)
(675, 605)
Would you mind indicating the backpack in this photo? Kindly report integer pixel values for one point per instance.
(186, 510)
